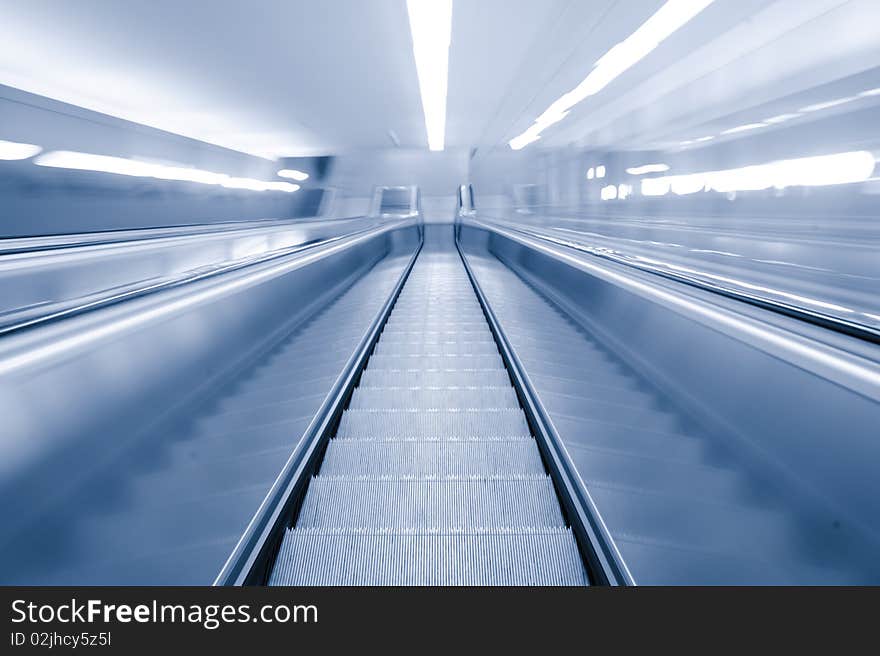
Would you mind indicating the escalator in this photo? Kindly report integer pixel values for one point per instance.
(169, 508)
(434, 416)
(433, 476)
(685, 498)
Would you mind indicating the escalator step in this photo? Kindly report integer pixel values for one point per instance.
(433, 397)
(510, 557)
(436, 361)
(438, 457)
(433, 423)
(448, 502)
(471, 376)
(399, 347)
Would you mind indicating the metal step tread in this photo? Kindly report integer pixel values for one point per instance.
(436, 458)
(512, 556)
(480, 334)
(483, 377)
(433, 397)
(436, 361)
(416, 423)
(395, 347)
(424, 501)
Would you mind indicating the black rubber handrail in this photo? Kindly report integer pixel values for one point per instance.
(250, 561)
(19, 326)
(604, 563)
(821, 319)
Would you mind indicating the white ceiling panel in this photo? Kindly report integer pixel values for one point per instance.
(492, 43)
(303, 77)
(269, 77)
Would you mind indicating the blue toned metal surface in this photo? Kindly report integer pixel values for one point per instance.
(432, 477)
(151, 478)
(683, 432)
(74, 240)
(863, 325)
(597, 548)
(46, 277)
(824, 265)
(253, 557)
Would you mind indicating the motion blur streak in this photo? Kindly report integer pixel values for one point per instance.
(647, 168)
(669, 18)
(81, 338)
(293, 174)
(122, 166)
(10, 150)
(823, 170)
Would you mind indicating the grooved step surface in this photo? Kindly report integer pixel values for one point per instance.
(437, 398)
(438, 503)
(439, 457)
(460, 347)
(490, 422)
(436, 361)
(433, 477)
(514, 557)
(406, 334)
(435, 377)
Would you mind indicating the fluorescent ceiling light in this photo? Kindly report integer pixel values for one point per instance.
(258, 185)
(430, 22)
(781, 118)
(590, 173)
(697, 140)
(523, 140)
(655, 186)
(623, 56)
(10, 150)
(609, 192)
(65, 159)
(870, 92)
(823, 170)
(682, 185)
(745, 128)
(293, 174)
(183, 174)
(282, 186)
(826, 105)
(600, 171)
(624, 190)
(647, 168)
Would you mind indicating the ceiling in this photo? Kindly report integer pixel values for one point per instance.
(298, 77)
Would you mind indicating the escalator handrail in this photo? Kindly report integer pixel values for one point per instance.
(174, 282)
(821, 319)
(136, 235)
